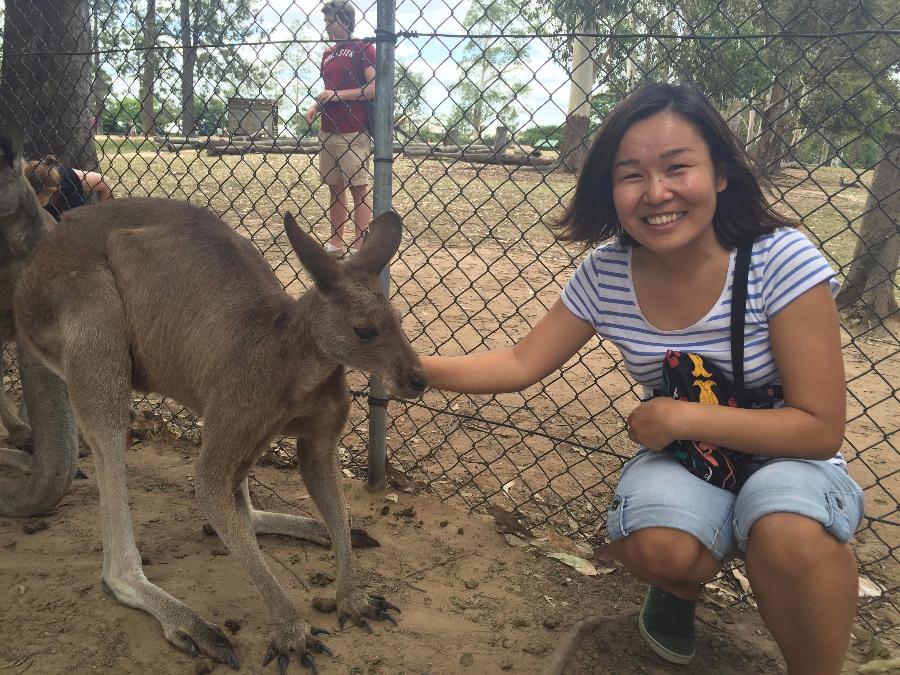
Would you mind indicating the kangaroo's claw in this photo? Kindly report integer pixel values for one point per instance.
(308, 661)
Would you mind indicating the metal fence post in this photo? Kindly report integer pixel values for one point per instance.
(384, 151)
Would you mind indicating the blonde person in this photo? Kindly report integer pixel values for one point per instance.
(60, 188)
(672, 194)
(348, 73)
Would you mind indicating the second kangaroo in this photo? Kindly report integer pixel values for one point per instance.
(158, 295)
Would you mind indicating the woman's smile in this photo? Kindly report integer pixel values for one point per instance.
(664, 218)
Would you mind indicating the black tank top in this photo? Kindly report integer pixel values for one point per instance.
(69, 196)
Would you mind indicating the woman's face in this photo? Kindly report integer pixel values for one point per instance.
(664, 184)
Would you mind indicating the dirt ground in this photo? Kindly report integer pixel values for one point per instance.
(470, 601)
(471, 273)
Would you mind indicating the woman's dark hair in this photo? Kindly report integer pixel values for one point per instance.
(742, 211)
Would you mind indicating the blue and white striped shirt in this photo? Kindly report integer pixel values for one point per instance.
(784, 265)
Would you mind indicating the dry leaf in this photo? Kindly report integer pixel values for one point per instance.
(508, 485)
(742, 580)
(148, 426)
(398, 479)
(508, 522)
(515, 541)
(581, 565)
(880, 666)
(868, 588)
(391, 497)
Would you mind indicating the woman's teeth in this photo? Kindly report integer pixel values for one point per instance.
(663, 219)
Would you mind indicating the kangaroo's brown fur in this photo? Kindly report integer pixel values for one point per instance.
(158, 295)
(23, 224)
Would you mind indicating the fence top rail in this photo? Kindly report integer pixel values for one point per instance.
(385, 36)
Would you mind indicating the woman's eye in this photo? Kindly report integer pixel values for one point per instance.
(365, 333)
(678, 167)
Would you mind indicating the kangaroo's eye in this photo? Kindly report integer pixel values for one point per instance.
(364, 332)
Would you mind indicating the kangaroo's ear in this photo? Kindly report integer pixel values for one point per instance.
(381, 244)
(10, 147)
(321, 266)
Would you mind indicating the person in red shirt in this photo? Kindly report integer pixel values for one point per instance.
(346, 144)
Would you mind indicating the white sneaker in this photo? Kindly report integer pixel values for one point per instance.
(331, 249)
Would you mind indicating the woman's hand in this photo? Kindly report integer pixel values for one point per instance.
(653, 423)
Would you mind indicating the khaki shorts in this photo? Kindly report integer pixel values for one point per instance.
(344, 158)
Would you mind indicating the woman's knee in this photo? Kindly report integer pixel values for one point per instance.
(792, 544)
(663, 553)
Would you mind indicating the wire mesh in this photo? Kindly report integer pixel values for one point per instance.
(493, 105)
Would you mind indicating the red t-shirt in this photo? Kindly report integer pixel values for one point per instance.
(338, 73)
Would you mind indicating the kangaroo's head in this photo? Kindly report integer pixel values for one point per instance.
(354, 323)
(12, 178)
(21, 217)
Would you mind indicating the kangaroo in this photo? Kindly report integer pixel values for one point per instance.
(162, 296)
(54, 443)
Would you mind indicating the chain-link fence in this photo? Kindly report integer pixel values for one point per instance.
(483, 113)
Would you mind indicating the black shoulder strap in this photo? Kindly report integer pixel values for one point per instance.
(738, 307)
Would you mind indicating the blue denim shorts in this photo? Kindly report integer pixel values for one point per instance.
(656, 491)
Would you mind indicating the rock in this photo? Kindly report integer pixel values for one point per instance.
(208, 530)
(232, 625)
(385, 510)
(551, 623)
(320, 578)
(34, 526)
(443, 523)
(324, 605)
(466, 659)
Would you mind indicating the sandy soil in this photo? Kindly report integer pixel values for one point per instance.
(471, 602)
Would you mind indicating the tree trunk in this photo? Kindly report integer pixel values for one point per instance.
(149, 75)
(751, 124)
(872, 278)
(48, 95)
(573, 150)
(189, 60)
(96, 99)
(771, 147)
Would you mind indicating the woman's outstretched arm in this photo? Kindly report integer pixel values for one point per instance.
(552, 342)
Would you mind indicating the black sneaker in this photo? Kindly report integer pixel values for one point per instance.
(667, 624)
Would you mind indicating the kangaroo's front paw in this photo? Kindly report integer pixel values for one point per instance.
(197, 637)
(297, 637)
(359, 605)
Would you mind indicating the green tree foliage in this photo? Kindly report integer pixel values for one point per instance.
(540, 133)
(801, 94)
(488, 88)
(290, 77)
(409, 105)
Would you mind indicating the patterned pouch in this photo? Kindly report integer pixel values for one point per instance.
(688, 377)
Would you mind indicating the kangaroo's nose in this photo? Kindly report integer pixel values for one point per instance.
(417, 382)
